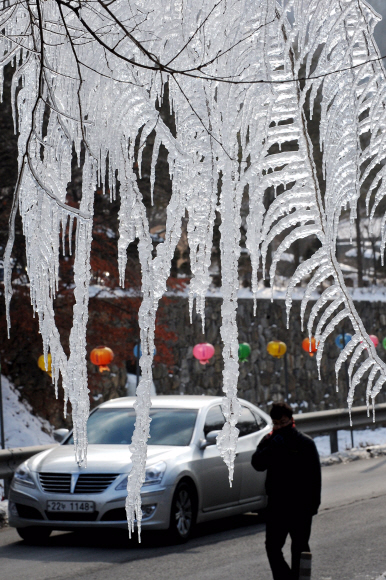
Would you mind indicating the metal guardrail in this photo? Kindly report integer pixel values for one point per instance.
(320, 422)
(329, 422)
(10, 459)
(315, 423)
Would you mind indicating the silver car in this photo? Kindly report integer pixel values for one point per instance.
(186, 479)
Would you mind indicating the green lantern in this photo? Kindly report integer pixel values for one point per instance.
(244, 351)
(383, 343)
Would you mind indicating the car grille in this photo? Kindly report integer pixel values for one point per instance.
(55, 482)
(94, 483)
(86, 482)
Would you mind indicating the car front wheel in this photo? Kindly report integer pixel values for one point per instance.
(183, 513)
(34, 534)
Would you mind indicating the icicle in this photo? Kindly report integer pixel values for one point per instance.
(230, 251)
(156, 146)
(64, 229)
(70, 226)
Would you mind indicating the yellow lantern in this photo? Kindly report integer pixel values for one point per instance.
(276, 348)
(42, 366)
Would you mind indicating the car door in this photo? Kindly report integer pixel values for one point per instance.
(250, 426)
(212, 472)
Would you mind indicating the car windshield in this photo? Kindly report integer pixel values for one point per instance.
(116, 426)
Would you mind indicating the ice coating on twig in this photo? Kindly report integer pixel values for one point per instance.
(345, 353)
(327, 295)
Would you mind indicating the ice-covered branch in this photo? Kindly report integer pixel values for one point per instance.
(242, 77)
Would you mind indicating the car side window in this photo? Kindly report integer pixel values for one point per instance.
(247, 422)
(214, 420)
(260, 421)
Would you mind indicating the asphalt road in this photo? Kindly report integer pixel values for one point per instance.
(348, 542)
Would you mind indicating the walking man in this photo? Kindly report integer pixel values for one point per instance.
(293, 487)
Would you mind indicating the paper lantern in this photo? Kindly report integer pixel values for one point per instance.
(102, 357)
(244, 351)
(374, 339)
(306, 346)
(276, 348)
(137, 350)
(342, 338)
(384, 343)
(203, 352)
(42, 365)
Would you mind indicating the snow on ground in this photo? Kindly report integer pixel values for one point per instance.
(369, 294)
(368, 443)
(21, 427)
(100, 291)
(362, 438)
(3, 511)
(353, 455)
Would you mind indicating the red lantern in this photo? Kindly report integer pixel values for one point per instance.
(102, 357)
(203, 352)
(374, 339)
(306, 346)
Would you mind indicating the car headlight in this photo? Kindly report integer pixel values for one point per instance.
(23, 476)
(153, 475)
(123, 485)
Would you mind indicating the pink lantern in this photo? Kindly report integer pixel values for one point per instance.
(374, 339)
(203, 352)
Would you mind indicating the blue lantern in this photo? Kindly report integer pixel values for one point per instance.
(339, 340)
(137, 351)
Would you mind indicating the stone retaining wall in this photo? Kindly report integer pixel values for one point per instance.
(262, 378)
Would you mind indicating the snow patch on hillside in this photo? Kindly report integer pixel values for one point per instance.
(21, 427)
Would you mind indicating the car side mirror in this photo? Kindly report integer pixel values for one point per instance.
(60, 434)
(210, 439)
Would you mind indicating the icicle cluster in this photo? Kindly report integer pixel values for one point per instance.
(92, 72)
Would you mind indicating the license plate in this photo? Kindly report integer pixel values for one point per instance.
(70, 506)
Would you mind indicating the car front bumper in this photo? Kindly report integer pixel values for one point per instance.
(27, 507)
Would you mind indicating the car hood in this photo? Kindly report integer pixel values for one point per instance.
(100, 458)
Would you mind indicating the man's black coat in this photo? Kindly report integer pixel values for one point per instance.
(293, 470)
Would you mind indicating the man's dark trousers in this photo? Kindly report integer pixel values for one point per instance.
(278, 525)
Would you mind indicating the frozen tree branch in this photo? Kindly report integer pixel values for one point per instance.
(241, 78)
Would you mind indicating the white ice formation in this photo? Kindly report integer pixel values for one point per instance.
(244, 78)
